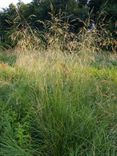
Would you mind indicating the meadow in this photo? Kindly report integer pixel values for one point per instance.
(58, 78)
(56, 104)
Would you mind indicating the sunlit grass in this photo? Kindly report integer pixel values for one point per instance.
(53, 104)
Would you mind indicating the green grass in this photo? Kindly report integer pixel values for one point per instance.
(7, 58)
(57, 108)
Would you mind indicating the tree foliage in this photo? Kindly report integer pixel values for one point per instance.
(76, 12)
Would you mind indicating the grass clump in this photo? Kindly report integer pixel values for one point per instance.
(54, 105)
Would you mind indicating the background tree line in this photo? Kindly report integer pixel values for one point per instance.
(75, 12)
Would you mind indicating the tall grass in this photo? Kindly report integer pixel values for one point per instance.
(53, 104)
(59, 99)
(58, 32)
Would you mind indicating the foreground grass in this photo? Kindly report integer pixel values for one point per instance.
(58, 107)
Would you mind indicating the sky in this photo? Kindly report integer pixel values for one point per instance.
(5, 3)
